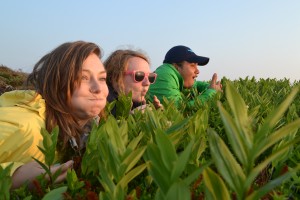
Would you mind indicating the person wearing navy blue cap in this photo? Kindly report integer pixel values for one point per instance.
(178, 72)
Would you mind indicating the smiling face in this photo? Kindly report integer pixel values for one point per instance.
(189, 72)
(90, 97)
(138, 89)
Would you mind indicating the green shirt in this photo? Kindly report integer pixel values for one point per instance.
(169, 84)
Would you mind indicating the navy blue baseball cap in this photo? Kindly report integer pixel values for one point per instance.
(182, 53)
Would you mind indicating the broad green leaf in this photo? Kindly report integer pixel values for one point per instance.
(159, 195)
(5, 181)
(135, 141)
(178, 126)
(56, 194)
(131, 175)
(45, 167)
(153, 154)
(215, 185)
(195, 174)
(114, 162)
(273, 118)
(238, 142)
(198, 148)
(49, 145)
(166, 148)
(181, 162)
(274, 156)
(123, 131)
(105, 178)
(135, 156)
(73, 183)
(156, 168)
(257, 194)
(112, 130)
(119, 193)
(152, 119)
(240, 113)
(227, 166)
(273, 138)
(178, 191)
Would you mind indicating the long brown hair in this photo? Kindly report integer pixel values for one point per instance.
(55, 76)
(117, 63)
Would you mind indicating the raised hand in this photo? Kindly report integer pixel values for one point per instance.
(29, 171)
(157, 103)
(215, 84)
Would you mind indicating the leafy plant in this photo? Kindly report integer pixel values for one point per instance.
(241, 145)
(238, 167)
(5, 182)
(166, 167)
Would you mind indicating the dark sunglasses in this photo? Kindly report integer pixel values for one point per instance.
(139, 76)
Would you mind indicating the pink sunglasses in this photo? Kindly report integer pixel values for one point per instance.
(139, 76)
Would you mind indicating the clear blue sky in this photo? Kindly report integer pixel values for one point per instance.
(258, 38)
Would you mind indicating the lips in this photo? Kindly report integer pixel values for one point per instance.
(144, 92)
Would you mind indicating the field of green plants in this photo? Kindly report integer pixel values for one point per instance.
(241, 145)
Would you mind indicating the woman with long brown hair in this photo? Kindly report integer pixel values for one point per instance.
(69, 92)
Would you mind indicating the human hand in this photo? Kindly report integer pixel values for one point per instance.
(156, 103)
(214, 84)
(29, 171)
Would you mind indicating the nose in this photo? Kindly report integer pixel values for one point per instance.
(95, 86)
(197, 71)
(146, 81)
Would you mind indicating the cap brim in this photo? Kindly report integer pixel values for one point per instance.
(199, 59)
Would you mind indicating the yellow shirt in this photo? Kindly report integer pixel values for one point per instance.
(22, 115)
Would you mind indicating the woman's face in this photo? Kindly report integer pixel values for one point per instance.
(90, 97)
(138, 89)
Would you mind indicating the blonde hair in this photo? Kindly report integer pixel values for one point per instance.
(117, 63)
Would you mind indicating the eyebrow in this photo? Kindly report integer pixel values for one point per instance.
(101, 72)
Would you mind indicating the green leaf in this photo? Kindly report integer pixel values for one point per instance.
(167, 149)
(105, 178)
(195, 174)
(178, 126)
(178, 191)
(273, 138)
(237, 141)
(262, 165)
(56, 194)
(181, 162)
(49, 144)
(239, 110)
(227, 166)
(131, 175)
(156, 168)
(272, 184)
(276, 114)
(215, 185)
(73, 183)
(114, 162)
(133, 158)
(135, 141)
(112, 130)
(45, 167)
(5, 181)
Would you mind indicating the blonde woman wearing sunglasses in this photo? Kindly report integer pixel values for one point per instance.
(129, 71)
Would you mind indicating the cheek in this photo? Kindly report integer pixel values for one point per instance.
(129, 85)
(74, 97)
(105, 90)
